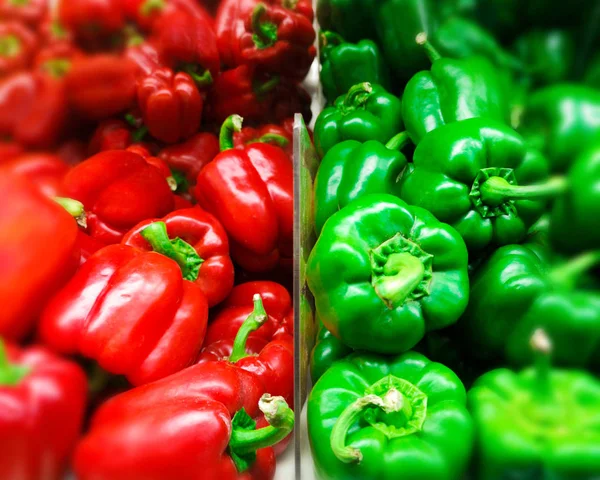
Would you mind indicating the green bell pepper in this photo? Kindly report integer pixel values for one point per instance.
(453, 90)
(562, 121)
(592, 73)
(383, 273)
(366, 112)
(346, 64)
(351, 170)
(478, 176)
(372, 417)
(517, 291)
(352, 19)
(326, 351)
(575, 217)
(539, 423)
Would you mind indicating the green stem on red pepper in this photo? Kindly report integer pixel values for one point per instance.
(266, 87)
(182, 252)
(279, 140)
(10, 46)
(74, 208)
(254, 321)
(203, 79)
(10, 374)
(231, 125)
(264, 33)
(150, 6)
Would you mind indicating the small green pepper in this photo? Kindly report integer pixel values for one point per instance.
(366, 112)
(326, 351)
(372, 417)
(345, 64)
(539, 423)
(383, 273)
(351, 170)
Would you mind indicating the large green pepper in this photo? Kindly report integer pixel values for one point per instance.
(351, 170)
(328, 349)
(372, 417)
(477, 175)
(398, 22)
(352, 19)
(366, 112)
(575, 218)
(383, 273)
(516, 291)
(540, 423)
(453, 90)
(562, 120)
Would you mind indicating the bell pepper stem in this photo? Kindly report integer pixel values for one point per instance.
(567, 274)
(401, 274)
(74, 208)
(181, 252)
(357, 95)
(264, 33)
(233, 124)
(281, 422)
(542, 348)
(10, 46)
(266, 87)
(289, 4)
(203, 79)
(10, 374)
(430, 50)
(398, 142)
(254, 321)
(497, 190)
(279, 140)
(327, 38)
(149, 6)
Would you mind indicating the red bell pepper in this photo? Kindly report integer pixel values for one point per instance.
(279, 135)
(273, 363)
(91, 19)
(9, 150)
(37, 253)
(87, 246)
(110, 134)
(132, 310)
(146, 13)
(72, 151)
(119, 189)
(45, 170)
(171, 105)
(200, 423)
(239, 305)
(250, 191)
(31, 12)
(100, 86)
(188, 43)
(145, 57)
(189, 157)
(56, 59)
(17, 47)
(42, 400)
(278, 40)
(230, 26)
(208, 238)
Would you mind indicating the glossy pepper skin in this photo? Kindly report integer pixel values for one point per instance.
(222, 402)
(131, 311)
(380, 417)
(366, 112)
(17, 47)
(208, 238)
(43, 401)
(327, 350)
(383, 273)
(454, 162)
(453, 90)
(190, 156)
(30, 12)
(539, 421)
(100, 86)
(517, 291)
(250, 191)
(352, 19)
(272, 361)
(351, 170)
(574, 222)
(344, 64)
(45, 170)
(118, 189)
(562, 137)
(171, 105)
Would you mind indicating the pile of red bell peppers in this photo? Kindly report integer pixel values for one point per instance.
(146, 236)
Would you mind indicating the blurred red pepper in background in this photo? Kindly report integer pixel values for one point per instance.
(250, 191)
(91, 20)
(208, 238)
(189, 157)
(171, 105)
(17, 47)
(45, 170)
(209, 416)
(30, 12)
(119, 189)
(9, 150)
(56, 59)
(38, 239)
(278, 135)
(145, 57)
(112, 134)
(42, 400)
(146, 13)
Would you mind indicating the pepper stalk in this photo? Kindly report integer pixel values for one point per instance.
(254, 321)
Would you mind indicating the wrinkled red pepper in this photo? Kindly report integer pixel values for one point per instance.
(279, 135)
(207, 415)
(100, 86)
(208, 238)
(38, 253)
(171, 105)
(250, 191)
(31, 12)
(119, 189)
(188, 43)
(17, 47)
(43, 400)
(44, 170)
(131, 310)
(91, 19)
(189, 157)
